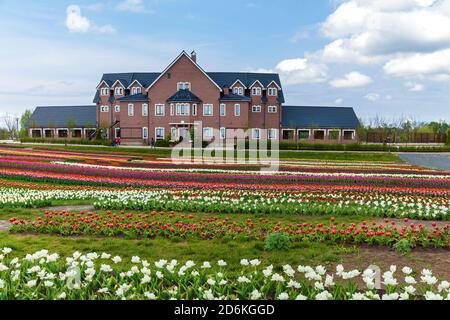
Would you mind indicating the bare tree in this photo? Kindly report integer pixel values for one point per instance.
(11, 124)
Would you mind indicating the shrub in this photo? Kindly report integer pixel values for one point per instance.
(403, 246)
(67, 141)
(448, 137)
(277, 242)
(163, 144)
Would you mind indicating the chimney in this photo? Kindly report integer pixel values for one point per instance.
(226, 90)
(194, 56)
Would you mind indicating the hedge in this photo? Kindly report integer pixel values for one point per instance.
(448, 137)
(68, 141)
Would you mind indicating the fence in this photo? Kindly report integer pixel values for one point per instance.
(413, 137)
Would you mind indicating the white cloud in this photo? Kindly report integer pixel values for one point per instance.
(76, 23)
(352, 80)
(414, 87)
(373, 97)
(302, 70)
(135, 6)
(420, 64)
(411, 37)
(339, 101)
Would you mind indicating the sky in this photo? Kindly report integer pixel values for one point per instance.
(386, 58)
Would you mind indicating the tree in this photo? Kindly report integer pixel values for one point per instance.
(12, 125)
(24, 119)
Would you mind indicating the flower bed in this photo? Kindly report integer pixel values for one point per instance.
(42, 275)
(183, 226)
(336, 203)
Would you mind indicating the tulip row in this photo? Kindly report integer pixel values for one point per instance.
(42, 275)
(113, 176)
(182, 226)
(311, 203)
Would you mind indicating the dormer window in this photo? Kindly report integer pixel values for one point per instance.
(238, 91)
(136, 90)
(118, 91)
(256, 91)
(272, 92)
(104, 91)
(184, 86)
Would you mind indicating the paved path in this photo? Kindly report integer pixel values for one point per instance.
(4, 225)
(71, 208)
(439, 161)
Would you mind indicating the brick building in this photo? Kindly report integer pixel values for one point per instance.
(139, 107)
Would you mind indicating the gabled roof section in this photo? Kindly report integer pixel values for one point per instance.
(319, 117)
(128, 78)
(134, 81)
(60, 116)
(184, 96)
(276, 84)
(97, 97)
(231, 86)
(235, 97)
(134, 98)
(255, 82)
(118, 81)
(183, 53)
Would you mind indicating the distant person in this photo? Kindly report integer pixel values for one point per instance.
(152, 143)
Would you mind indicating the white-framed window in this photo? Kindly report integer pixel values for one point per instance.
(256, 91)
(207, 133)
(118, 91)
(145, 110)
(272, 134)
(223, 133)
(104, 109)
(238, 91)
(117, 132)
(172, 109)
(173, 134)
(104, 91)
(144, 133)
(272, 92)
(237, 110)
(136, 90)
(223, 109)
(182, 109)
(208, 110)
(159, 110)
(256, 108)
(131, 110)
(117, 108)
(256, 134)
(184, 86)
(194, 109)
(159, 133)
(272, 109)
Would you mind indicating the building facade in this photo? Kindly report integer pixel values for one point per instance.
(141, 107)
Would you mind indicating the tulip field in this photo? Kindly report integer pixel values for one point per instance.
(328, 209)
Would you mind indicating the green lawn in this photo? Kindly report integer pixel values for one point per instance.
(197, 250)
(284, 155)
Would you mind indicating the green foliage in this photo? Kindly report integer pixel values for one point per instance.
(403, 246)
(23, 122)
(277, 242)
(67, 141)
(448, 137)
(163, 143)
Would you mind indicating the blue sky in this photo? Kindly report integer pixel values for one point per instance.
(389, 58)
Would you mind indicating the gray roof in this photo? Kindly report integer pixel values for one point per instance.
(235, 97)
(319, 117)
(222, 79)
(184, 96)
(135, 97)
(59, 116)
